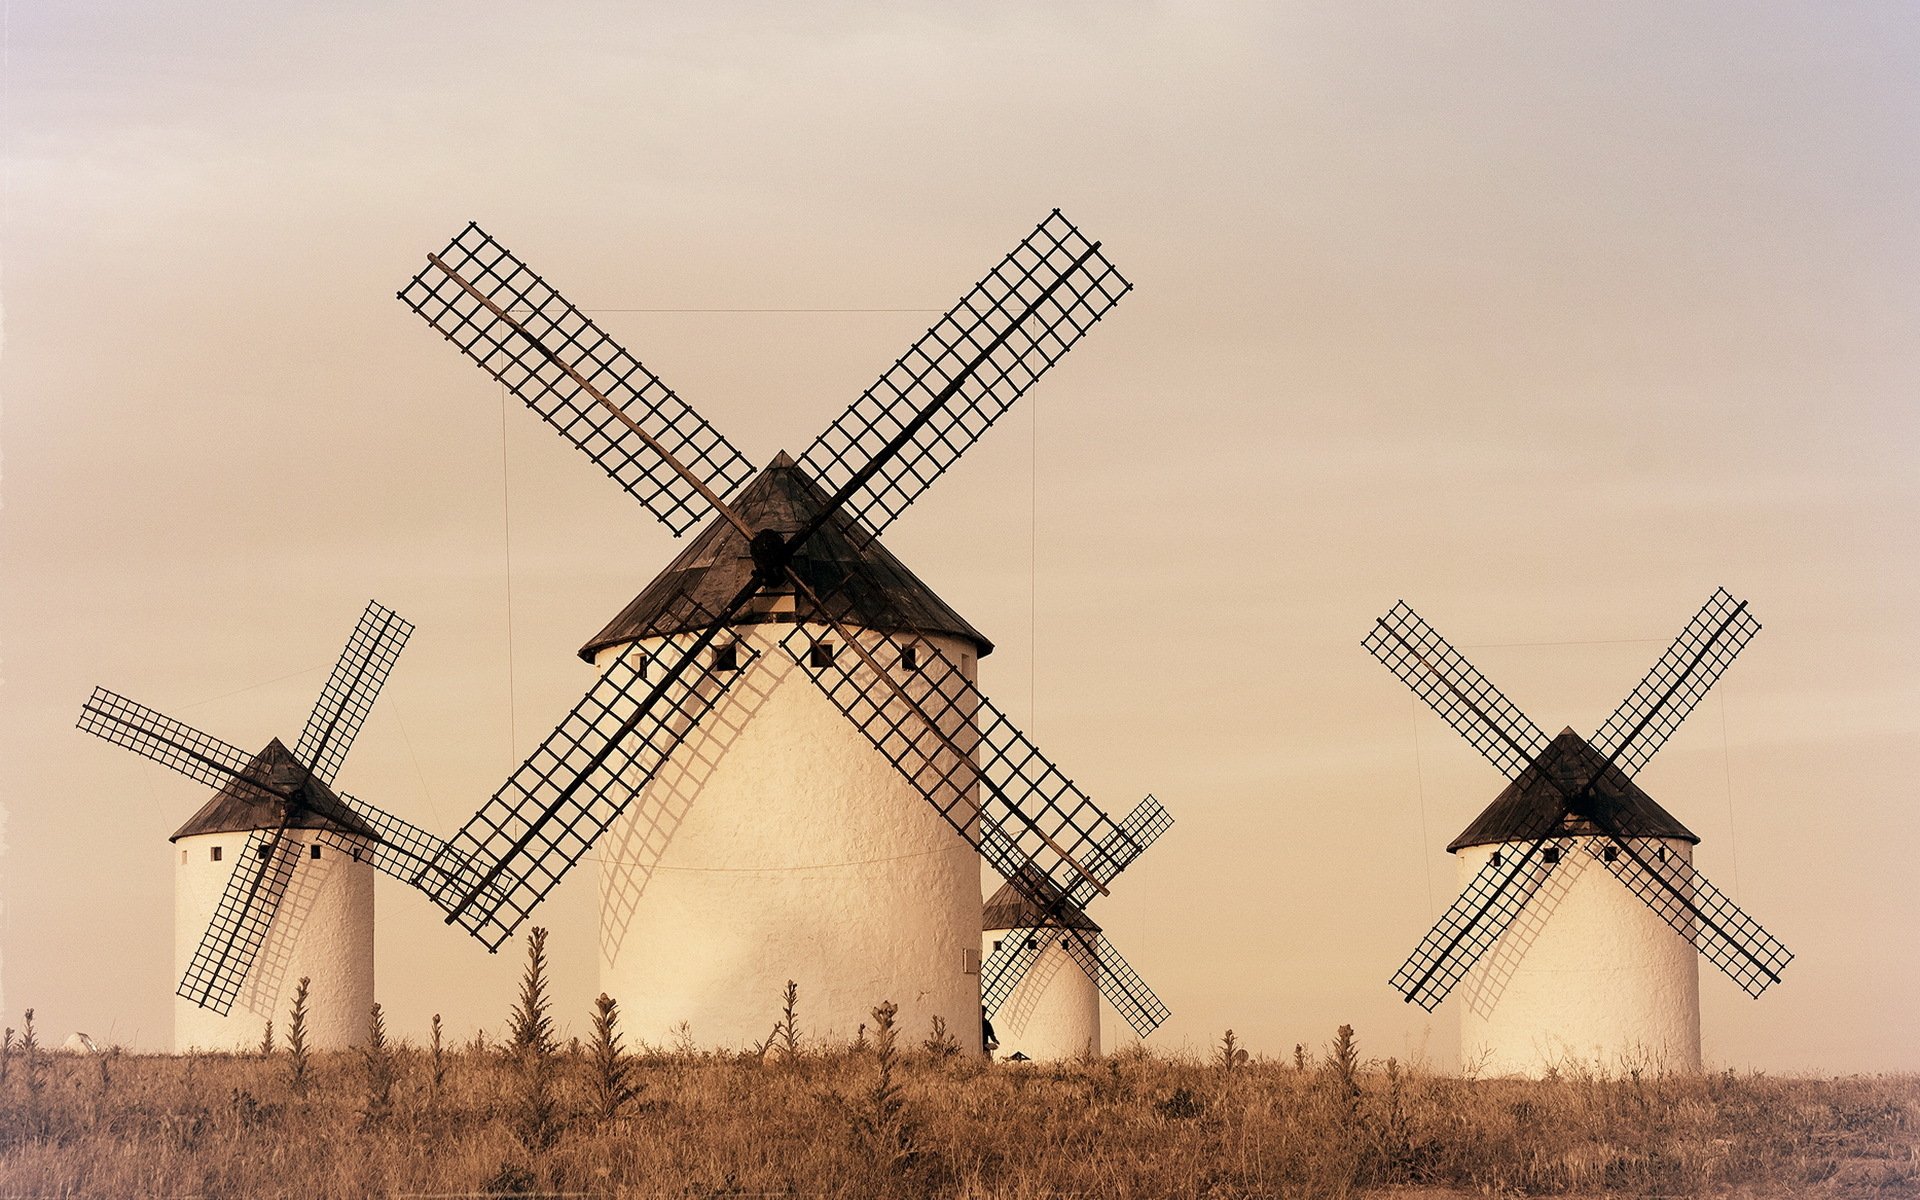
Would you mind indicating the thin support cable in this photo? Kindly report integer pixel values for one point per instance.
(1726, 763)
(506, 546)
(1420, 783)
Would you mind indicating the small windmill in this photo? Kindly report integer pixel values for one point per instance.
(1042, 977)
(795, 548)
(275, 870)
(1568, 964)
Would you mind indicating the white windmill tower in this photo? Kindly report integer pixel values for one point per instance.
(729, 744)
(1050, 1009)
(1575, 881)
(274, 874)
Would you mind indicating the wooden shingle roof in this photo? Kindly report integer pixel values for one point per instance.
(863, 583)
(1536, 804)
(237, 808)
(1008, 909)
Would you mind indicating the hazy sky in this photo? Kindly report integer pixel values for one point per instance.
(1547, 319)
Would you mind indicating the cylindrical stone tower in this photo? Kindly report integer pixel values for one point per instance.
(1053, 1012)
(322, 927)
(1586, 976)
(778, 843)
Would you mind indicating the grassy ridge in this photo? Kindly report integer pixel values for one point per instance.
(876, 1122)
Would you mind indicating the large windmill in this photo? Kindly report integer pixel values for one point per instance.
(1559, 961)
(275, 872)
(796, 852)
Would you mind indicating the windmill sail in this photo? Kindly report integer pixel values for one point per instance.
(1452, 687)
(1699, 912)
(580, 381)
(965, 372)
(1683, 675)
(347, 698)
(1474, 922)
(241, 921)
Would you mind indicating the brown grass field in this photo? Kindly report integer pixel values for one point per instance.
(875, 1121)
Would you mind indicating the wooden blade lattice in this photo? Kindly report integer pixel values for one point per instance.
(550, 811)
(551, 355)
(977, 360)
(199, 756)
(1698, 911)
(351, 690)
(1452, 687)
(1474, 922)
(241, 921)
(1685, 673)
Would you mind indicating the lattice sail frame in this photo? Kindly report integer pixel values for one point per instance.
(1680, 895)
(936, 401)
(1036, 303)
(241, 921)
(347, 698)
(574, 785)
(533, 340)
(1678, 681)
(173, 744)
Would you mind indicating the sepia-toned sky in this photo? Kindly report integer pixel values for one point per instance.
(1547, 319)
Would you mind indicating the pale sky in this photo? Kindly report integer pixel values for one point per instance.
(1547, 319)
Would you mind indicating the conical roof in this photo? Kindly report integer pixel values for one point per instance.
(238, 808)
(842, 562)
(1008, 909)
(1552, 796)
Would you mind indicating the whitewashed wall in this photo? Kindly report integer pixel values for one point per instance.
(1587, 975)
(1053, 1013)
(779, 844)
(324, 930)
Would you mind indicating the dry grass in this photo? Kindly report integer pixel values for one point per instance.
(824, 1123)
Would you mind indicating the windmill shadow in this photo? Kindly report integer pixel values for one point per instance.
(636, 841)
(260, 994)
(1033, 986)
(1487, 982)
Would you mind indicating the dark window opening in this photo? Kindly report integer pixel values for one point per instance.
(263, 851)
(1610, 854)
(909, 658)
(821, 656)
(1033, 943)
(213, 855)
(1663, 854)
(313, 851)
(996, 945)
(1495, 860)
(727, 657)
(642, 665)
(1551, 854)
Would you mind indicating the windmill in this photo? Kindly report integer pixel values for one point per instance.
(806, 834)
(1567, 962)
(275, 872)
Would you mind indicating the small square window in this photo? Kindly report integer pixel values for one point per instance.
(821, 656)
(313, 851)
(1663, 854)
(213, 855)
(642, 666)
(909, 658)
(1551, 854)
(996, 945)
(1610, 854)
(265, 851)
(727, 657)
(1495, 860)
(1033, 943)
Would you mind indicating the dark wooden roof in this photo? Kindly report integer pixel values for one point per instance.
(1008, 909)
(1536, 804)
(868, 586)
(237, 808)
